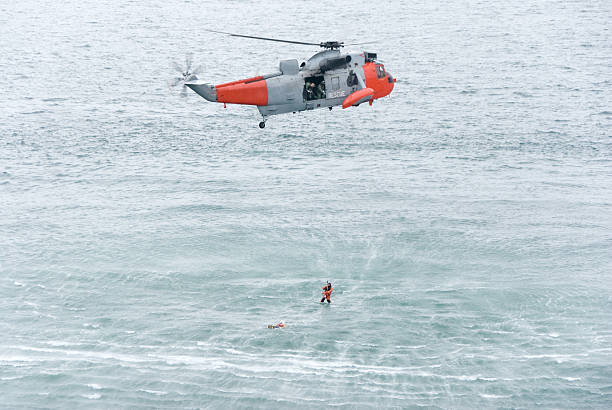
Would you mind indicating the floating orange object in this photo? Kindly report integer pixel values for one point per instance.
(358, 97)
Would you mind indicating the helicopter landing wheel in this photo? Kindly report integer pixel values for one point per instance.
(262, 124)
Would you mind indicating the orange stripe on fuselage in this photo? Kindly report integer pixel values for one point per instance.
(250, 91)
(246, 80)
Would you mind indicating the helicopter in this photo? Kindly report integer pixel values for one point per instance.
(327, 79)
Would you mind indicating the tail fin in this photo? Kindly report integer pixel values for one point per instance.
(203, 89)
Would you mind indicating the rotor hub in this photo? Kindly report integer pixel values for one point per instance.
(332, 45)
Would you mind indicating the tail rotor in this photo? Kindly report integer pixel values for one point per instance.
(186, 73)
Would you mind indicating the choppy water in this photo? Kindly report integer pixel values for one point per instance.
(147, 240)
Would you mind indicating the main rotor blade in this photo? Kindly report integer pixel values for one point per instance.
(265, 38)
(359, 44)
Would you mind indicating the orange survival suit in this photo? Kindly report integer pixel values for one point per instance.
(327, 290)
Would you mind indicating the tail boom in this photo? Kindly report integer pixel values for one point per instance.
(250, 91)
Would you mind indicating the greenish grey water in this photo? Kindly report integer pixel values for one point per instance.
(146, 241)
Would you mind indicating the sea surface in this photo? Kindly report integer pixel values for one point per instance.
(147, 240)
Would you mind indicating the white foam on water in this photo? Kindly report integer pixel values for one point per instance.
(75, 355)
(15, 360)
(155, 392)
(494, 396)
(61, 343)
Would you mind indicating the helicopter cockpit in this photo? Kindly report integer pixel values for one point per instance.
(381, 73)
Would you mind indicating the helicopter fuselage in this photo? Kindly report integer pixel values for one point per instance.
(329, 78)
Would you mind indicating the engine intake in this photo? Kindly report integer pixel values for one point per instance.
(333, 63)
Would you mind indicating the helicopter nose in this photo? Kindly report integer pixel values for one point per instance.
(391, 83)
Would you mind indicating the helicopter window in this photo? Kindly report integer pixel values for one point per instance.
(335, 83)
(314, 88)
(380, 71)
(352, 79)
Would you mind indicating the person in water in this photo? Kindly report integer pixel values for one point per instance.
(327, 290)
(280, 325)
